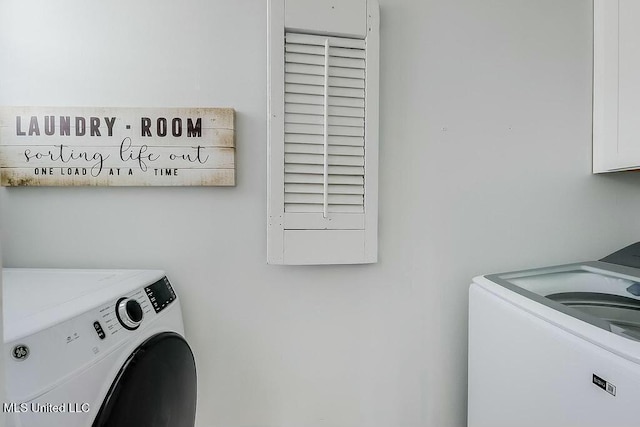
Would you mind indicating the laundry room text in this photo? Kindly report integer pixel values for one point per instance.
(117, 146)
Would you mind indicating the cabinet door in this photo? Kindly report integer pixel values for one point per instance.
(616, 98)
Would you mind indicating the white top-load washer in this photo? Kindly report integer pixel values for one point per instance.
(95, 348)
(557, 346)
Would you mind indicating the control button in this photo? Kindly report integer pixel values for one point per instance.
(99, 330)
(20, 352)
(129, 313)
(134, 310)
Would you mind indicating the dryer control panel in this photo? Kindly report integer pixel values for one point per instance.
(45, 358)
(114, 319)
(160, 294)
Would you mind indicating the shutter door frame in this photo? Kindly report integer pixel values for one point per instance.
(310, 237)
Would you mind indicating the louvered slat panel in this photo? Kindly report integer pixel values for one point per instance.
(309, 79)
(334, 199)
(345, 92)
(315, 119)
(315, 70)
(312, 40)
(305, 129)
(305, 58)
(318, 159)
(301, 178)
(317, 169)
(319, 188)
(301, 138)
(318, 110)
(345, 82)
(312, 129)
(346, 52)
(296, 98)
(338, 150)
(319, 50)
(346, 102)
(318, 70)
(303, 89)
(355, 141)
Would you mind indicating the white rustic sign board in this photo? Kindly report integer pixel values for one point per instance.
(74, 146)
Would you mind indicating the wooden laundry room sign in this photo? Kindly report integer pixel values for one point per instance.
(79, 146)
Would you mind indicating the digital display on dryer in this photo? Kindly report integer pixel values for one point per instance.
(160, 294)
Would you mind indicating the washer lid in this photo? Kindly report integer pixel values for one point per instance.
(576, 278)
(608, 297)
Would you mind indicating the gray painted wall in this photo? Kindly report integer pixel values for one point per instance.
(485, 167)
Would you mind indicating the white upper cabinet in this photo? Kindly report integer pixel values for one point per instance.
(616, 85)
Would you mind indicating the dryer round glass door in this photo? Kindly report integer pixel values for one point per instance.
(156, 387)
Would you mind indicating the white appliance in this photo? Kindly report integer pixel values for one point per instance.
(557, 346)
(95, 348)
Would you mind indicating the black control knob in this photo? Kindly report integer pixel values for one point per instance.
(129, 313)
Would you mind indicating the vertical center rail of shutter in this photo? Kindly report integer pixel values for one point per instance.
(325, 209)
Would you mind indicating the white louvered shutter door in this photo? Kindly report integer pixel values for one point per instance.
(324, 131)
(328, 178)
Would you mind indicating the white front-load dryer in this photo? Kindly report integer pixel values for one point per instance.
(95, 348)
(557, 346)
